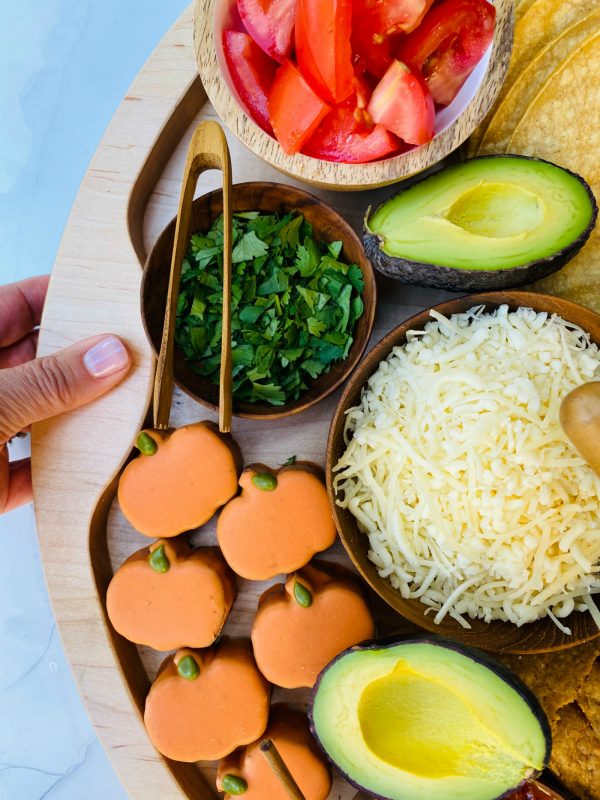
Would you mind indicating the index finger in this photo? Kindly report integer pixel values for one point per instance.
(21, 306)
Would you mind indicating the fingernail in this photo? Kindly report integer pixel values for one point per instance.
(106, 357)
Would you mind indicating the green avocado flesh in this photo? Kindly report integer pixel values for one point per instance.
(423, 721)
(486, 214)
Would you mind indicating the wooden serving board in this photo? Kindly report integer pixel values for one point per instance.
(128, 195)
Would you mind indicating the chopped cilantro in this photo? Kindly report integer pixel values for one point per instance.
(294, 305)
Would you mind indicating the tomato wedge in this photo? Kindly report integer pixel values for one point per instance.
(252, 73)
(323, 47)
(294, 109)
(341, 138)
(402, 103)
(448, 45)
(271, 24)
(386, 17)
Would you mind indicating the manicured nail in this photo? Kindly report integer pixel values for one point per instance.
(106, 357)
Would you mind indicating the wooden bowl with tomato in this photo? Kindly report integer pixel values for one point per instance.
(352, 94)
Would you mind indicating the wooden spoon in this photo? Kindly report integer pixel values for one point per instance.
(208, 150)
(580, 419)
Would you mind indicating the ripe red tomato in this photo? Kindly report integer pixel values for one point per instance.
(252, 73)
(402, 103)
(448, 45)
(323, 47)
(340, 137)
(386, 17)
(294, 109)
(368, 55)
(271, 24)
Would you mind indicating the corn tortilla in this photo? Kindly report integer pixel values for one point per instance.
(576, 754)
(522, 7)
(542, 21)
(524, 90)
(589, 698)
(561, 125)
(555, 678)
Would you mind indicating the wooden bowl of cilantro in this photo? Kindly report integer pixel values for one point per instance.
(303, 300)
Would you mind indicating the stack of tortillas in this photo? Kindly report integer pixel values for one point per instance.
(549, 107)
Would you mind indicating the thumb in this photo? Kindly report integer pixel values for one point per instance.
(65, 380)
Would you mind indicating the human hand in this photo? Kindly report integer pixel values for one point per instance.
(33, 389)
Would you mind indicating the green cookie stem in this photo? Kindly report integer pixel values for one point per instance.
(188, 668)
(302, 595)
(265, 481)
(233, 784)
(158, 559)
(146, 444)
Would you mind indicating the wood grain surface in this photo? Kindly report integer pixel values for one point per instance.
(129, 194)
(347, 177)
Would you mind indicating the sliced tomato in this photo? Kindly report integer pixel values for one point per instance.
(449, 44)
(252, 73)
(387, 17)
(402, 103)
(271, 24)
(323, 48)
(340, 137)
(295, 110)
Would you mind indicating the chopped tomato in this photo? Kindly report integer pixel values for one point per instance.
(294, 109)
(340, 137)
(402, 103)
(386, 17)
(271, 24)
(252, 73)
(323, 47)
(370, 56)
(448, 45)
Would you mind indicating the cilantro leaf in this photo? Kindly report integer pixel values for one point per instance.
(248, 247)
(294, 306)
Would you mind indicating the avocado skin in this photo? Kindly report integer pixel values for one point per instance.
(439, 641)
(454, 279)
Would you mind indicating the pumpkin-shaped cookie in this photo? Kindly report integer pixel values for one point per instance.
(179, 479)
(247, 773)
(168, 596)
(278, 522)
(302, 624)
(205, 703)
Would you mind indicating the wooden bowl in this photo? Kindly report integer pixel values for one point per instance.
(328, 226)
(501, 637)
(453, 124)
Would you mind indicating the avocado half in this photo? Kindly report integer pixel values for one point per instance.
(492, 222)
(428, 719)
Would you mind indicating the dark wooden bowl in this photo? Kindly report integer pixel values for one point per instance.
(501, 637)
(328, 226)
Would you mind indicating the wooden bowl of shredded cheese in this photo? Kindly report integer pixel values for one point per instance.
(455, 490)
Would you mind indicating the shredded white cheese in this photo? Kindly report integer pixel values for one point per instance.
(459, 472)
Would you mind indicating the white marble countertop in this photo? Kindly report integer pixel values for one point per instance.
(64, 67)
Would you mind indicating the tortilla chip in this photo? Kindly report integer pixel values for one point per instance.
(555, 678)
(522, 7)
(541, 22)
(576, 754)
(561, 125)
(524, 90)
(589, 698)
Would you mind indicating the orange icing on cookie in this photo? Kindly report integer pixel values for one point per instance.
(206, 717)
(183, 600)
(266, 532)
(292, 639)
(289, 731)
(192, 473)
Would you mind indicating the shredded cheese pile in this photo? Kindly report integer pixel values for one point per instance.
(458, 470)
